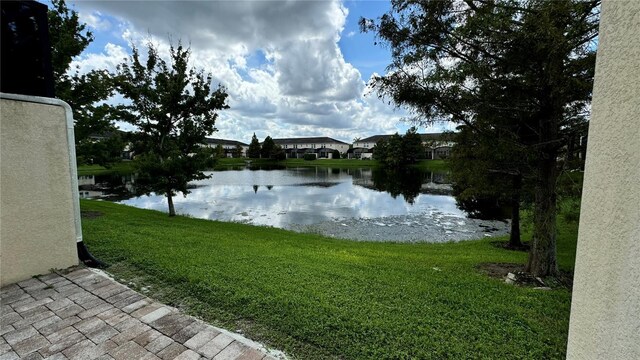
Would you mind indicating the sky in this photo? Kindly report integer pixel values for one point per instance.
(291, 68)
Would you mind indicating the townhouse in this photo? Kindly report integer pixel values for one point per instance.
(437, 146)
(230, 146)
(322, 147)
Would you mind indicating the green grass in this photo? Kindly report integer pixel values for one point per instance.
(300, 162)
(124, 167)
(318, 298)
(433, 165)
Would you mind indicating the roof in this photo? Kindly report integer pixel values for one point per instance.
(107, 134)
(425, 137)
(224, 142)
(307, 140)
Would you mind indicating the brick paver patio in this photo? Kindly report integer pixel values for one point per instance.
(86, 315)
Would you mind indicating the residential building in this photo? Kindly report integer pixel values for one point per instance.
(322, 147)
(229, 146)
(437, 145)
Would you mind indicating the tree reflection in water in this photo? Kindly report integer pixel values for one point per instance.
(406, 182)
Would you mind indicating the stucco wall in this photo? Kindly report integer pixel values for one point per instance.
(605, 310)
(37, 222)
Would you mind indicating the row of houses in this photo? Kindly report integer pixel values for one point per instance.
(437, 146)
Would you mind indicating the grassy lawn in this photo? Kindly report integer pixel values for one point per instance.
(318, 298)
(124, 167)
(433, 165)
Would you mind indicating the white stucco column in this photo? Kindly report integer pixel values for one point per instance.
(605, 310)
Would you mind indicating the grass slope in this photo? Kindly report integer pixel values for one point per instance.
(434, 165)
(318, 298)
(127, 167)
(124, 167)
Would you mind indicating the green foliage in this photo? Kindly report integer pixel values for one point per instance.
(175, 109)
(237, 151)
(309, 157)
(412, 148)
(519, 67)
(218, 152)
(121, 168)
(106, 151)
(69, 38)
(321, 298)
(400, 151)
(484, 170)
(67, 35)
(268, 147)
(380, 150)
(278, 153)
(254, 148)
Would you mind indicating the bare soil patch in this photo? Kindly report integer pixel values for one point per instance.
(523, 278)
(90, 214)
(505, 245)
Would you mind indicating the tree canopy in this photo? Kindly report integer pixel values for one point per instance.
(254, 148)
(523, 67)
(268, 148)
(83, 92)
(487, 173)
(399, 151)
(174, 108)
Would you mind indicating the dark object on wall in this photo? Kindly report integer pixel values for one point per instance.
(87, 259)
(26, 50)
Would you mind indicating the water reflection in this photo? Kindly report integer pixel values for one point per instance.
(109, 187)
(282, 197)
(354, 203)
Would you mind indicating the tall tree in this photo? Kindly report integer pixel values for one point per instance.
(254, 148)
(412, 148)
(83, 92)
(268, 148)
(380, 150)
(526, 64)
(237, 151)
(218, 152)
(174, 108)
(487, 172)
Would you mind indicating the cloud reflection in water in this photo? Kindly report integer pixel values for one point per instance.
(281, 198)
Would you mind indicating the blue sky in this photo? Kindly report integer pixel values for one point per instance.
(291, 68)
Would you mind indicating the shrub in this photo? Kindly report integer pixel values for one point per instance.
(309, 157)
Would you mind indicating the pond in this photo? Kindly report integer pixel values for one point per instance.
(351, 203)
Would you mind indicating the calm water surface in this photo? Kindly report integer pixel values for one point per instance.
(326, 200)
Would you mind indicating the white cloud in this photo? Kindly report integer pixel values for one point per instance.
(302, 86)
(108, 59)
(95, 20)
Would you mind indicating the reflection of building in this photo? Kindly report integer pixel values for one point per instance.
(106, 186)
(230, 146)
(322, 147)
(437, 146)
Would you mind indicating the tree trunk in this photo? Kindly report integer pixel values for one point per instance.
(172, 210)
(542, 256)
(570, 152)
(514, 236)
